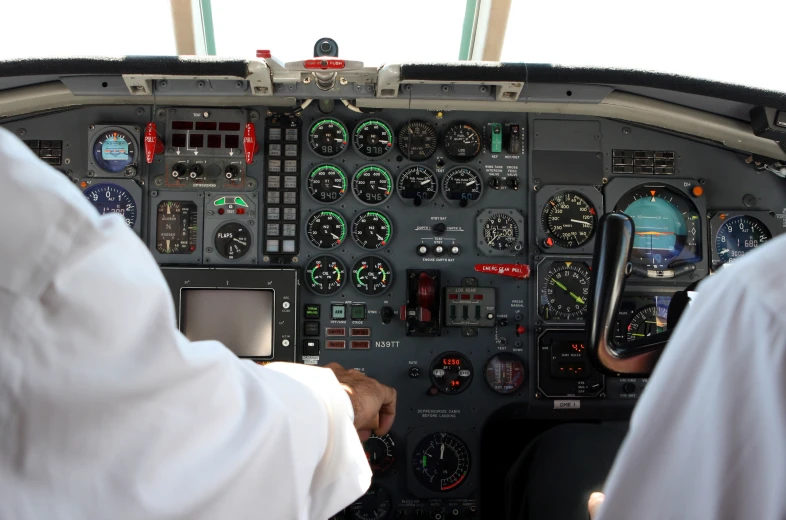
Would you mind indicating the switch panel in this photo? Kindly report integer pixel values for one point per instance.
(470, 306)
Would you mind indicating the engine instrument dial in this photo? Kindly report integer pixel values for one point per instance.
(373, 138)
(372, 185)
(451, 372)
(564, 291)
(462, 185)
(462, 141)
(372, 275)
(325, 275)
(232, 240)
(667, 226)
(505, 373)
(372, 230)
(326, 229)
(373, 505)
(441, 462)
(380, 452)
(176, 227)
(418, 184)
(327, 183)
(568, 219)
(417, 140)
(113, 150)
(111, 198)
(739, 235)
(501, 232)
(328, 137)
(646, 322)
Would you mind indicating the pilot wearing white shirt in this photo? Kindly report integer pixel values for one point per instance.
(108, 412)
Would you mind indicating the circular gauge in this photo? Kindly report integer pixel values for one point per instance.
(738, 235)
(380, 452)
(462, 141)
(326, 229)
(373, 138)
(441, 462)
(666, 226)
(568, 219)
(327, 137)
(564, 291)
(325, 275)
(113, 150)
(451, 372)
(646, 322)
(176, 227)
(417, 184)
(462, 185)
(505, 373)
(232, 240)
(417, 140)
(111, 198)
(372, 185)
(373, 505)
(372, 230)
(327, 183)
(372, 275)
(501, 232)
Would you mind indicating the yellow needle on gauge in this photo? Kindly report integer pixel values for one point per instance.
(562, 286)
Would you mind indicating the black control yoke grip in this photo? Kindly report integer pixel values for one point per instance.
(611, 266)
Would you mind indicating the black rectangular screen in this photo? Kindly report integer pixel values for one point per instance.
(242, 319)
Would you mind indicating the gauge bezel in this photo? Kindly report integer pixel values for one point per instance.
(542, 269)
(400, 140)
(546, 193)
(307, 271)
(319, 167)
(774, 225)
(393, 138)
(385, 217)
(455, 124)
(632, 303)
(467, 487)
(133, 189)
(314, 124)
(391, 459)
(558, 240)
(251, 242)
(95, 132)
(320, 211)
(424, 202)
(371, 259)
(159, 196)
(480, 238)
(454, 202)
(513, 358)
(372, 166)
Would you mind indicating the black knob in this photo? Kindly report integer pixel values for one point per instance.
(494, 183)
(502, 322)
(438, 229)
(130, 171)
(178, 170)
(629, 388)
(513, 183)
(231, 172)
(195, 171)
(386, 313)
(414, 372)
(422, 250)
(455, 513)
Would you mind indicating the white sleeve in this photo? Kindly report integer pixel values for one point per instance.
(707, 438)
(108, 411)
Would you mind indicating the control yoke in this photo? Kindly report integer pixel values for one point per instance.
(611, 266)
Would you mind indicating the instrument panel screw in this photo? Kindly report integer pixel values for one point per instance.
(209, 250)
(626, 130)
(306, 79)
(343, 81)
(206, 115)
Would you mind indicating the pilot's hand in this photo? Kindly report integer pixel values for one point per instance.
(595, 500)
(373, 402)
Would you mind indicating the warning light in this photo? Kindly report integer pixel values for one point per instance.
(549, 242)
(83, 184)
(521, 330)
(220, 211)
(241, 211)
(697, 191)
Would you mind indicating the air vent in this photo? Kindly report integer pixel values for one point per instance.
(643, 162)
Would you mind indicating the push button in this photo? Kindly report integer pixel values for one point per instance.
(311, 310)
(310, 347)
(358, 312)
(311, 328)
(338, 312)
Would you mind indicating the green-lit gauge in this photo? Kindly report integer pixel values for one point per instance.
(441, 462)
(326, 229)
(372, 230)
(176, 227)
(564, 291)
(372, 275)
(328, 137)
(462, 186)
(325, 275)
(373, 138)
(417, 140)
(372, 185)
(327, 183)
(646, 322)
